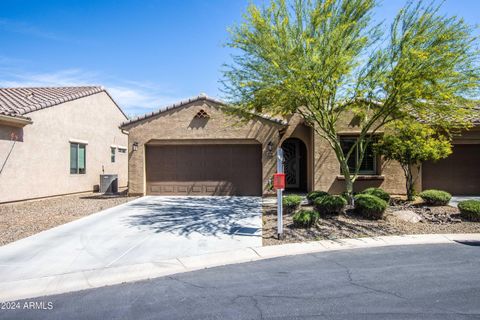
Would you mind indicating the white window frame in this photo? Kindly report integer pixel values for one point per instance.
(122, 149)
(78, 158)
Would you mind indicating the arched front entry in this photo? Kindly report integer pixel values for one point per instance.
(295, 165)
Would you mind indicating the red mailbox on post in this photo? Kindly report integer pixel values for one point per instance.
(279, 181)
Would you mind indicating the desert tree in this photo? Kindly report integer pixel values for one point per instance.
(328, 59)
(410, 143)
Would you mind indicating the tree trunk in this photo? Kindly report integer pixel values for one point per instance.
(409, 182)
(349, 189)
(345, 171)
(348, 184)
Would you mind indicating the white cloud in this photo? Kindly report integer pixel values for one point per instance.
(68, 77)
(27, 29)
(138, 100)
(4, 60)
(135, 97)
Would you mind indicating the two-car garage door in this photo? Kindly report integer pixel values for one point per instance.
(226, 169)
(458, 174)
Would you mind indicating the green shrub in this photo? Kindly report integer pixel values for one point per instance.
(377, 192)
(291, 202)
(315, 195)
(470, 209)
(435, 197)
(305, 218)
(370, 206)
(330, 205)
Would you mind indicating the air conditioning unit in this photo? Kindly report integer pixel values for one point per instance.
(108, 183)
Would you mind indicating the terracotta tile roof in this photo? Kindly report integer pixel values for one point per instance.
(17, 102)
(474, 117)
(193, 99)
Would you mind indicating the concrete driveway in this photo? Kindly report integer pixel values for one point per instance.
(148, 229)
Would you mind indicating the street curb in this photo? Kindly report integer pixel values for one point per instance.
(88, 279)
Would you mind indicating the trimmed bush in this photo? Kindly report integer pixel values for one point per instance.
(370, 206)
(377, 192)
(470, 209)
(291, 202)
(435, 197)
(305, 218)
(330, 205)
(315, 195)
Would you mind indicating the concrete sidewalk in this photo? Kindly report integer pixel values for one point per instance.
(35, 287)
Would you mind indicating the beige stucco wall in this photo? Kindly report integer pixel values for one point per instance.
(179, 126)
(327, 176)
(39, 166)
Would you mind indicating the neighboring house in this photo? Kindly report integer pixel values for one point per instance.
(195, 147)
(56, 141)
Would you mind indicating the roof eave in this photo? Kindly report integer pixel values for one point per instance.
(182, 103)
(15, 121)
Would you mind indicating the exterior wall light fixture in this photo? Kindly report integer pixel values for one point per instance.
(135, 146)
(270, 148)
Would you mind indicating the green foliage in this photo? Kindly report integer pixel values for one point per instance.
(370, 206)
(327, 60)
(470, 209)
(378, 192)
(330, 205)
(314, 195)
(435, 197)
(305, 218)
(411, 143)
(291, 202)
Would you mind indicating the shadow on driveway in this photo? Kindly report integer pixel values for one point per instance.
(203, 215)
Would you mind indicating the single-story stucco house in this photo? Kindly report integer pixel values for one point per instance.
(197, 147)
(56, 141)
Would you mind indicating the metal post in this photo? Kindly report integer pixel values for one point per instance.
(279, 195)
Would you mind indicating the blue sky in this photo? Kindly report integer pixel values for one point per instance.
(146, 53)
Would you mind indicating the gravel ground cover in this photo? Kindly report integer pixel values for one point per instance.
(22, 219)
(444, 219)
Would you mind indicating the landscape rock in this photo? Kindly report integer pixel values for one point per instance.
(406, 215)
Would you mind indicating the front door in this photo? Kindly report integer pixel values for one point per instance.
(291, 152)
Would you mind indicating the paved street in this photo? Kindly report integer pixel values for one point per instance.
(149, 229)
(438, 281)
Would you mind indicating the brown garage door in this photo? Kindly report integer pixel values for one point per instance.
(204, 170)
(458, 174)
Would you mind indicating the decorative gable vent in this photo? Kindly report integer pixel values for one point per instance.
(202, 114)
